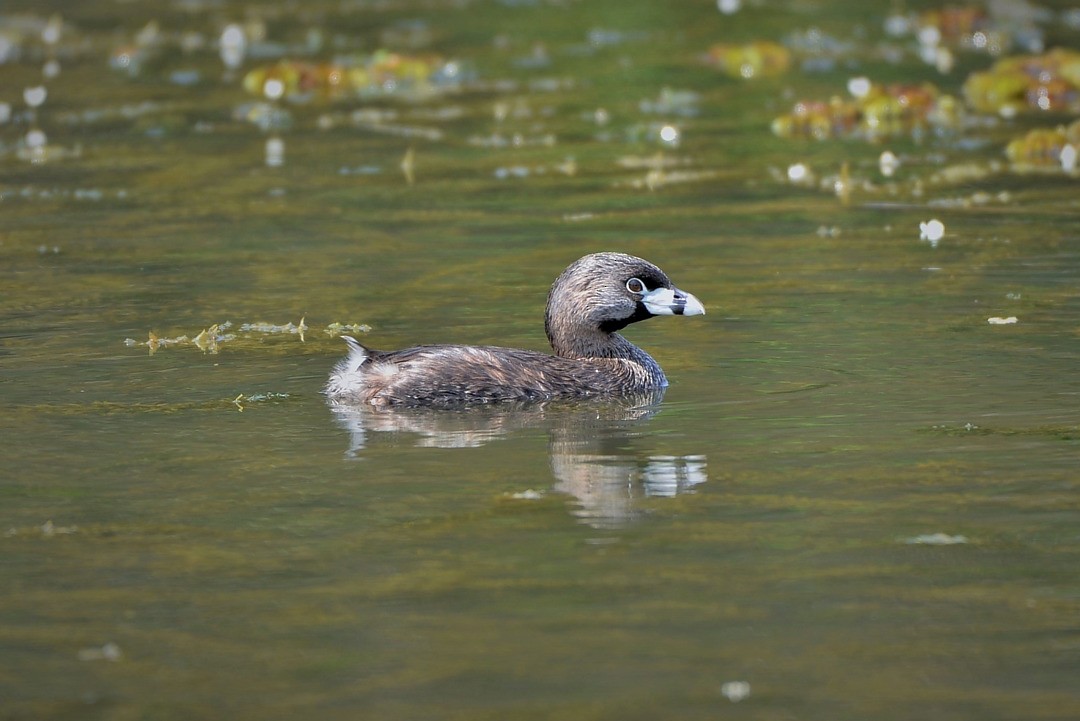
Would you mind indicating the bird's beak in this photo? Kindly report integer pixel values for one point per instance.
(671, 301)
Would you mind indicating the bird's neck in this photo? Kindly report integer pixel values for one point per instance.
(582, 345)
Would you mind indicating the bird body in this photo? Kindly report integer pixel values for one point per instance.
(588, 303)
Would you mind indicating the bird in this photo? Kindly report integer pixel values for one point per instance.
(593, 299)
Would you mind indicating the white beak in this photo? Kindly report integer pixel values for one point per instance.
(671, 301)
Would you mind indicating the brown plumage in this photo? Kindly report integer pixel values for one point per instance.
(595, 297)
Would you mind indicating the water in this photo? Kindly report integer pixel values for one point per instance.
(858, 499)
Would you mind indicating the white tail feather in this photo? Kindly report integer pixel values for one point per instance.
(347, 377)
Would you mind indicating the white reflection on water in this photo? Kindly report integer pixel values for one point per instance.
(590, 446)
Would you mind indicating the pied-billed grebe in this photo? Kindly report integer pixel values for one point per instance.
(593, 298)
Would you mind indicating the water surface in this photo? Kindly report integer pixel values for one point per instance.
(858, 498)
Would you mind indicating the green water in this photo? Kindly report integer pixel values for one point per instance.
(194, 534)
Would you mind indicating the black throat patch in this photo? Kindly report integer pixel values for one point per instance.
(617, 324)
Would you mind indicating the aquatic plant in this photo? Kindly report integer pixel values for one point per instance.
(758, 59)
(1047, 82)
(381, 73)
(878, 112)
(1046, 149)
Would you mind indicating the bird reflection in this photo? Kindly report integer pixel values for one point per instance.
(591, 444)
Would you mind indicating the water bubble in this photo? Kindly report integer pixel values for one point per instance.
(888, 163)
(897, 25)
(735, 691)
(233, 36)
(929, 36)
(50, 35)
(729, 7)
(275, 152)
(51, 69)
(798, 173)
(149, 35)
(928, 54)
(36, 139)
(944, 60)
(937, 539)
(669, 135)
(273, 89)
(859, 87)
(35, 96)
(932, 231)
(233, 45)
(108, 652)
(1068, 158)
(5, 112)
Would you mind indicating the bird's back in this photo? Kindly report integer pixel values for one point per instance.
(451, 375)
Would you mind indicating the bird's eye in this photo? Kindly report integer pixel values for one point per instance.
(634, 285)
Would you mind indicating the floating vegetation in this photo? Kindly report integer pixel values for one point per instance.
(759, 59)
(1053, 149)
(335, 329)
(241, 399)
(297, 329)
(1048, 82)
(874, 112)
(993, 29)
(153, 342)
(210, 339)
(381, 73)
(844, 183)
(877, 112)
